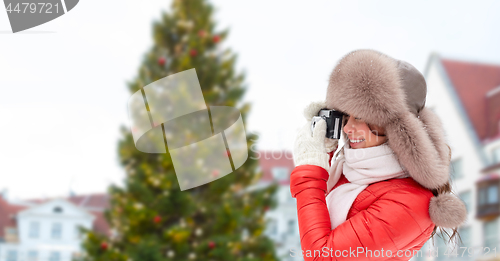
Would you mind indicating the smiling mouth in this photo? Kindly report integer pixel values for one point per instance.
(356, 141)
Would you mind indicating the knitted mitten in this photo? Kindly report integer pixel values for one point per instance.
(312, 110)
(331, 144)
(309, 148)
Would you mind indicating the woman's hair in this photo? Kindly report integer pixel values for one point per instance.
(446, 188)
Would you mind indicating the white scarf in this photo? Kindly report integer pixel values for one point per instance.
(361, 167)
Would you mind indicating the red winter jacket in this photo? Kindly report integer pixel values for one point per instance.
(386, 219)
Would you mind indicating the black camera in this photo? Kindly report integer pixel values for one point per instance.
(333, 120)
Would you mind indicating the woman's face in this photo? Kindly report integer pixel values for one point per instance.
(356, 130)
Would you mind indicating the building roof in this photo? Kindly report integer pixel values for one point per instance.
(90, 201)
(488, 177)
(7, 212)
(478, 88)
(95, 204)
(94, 201)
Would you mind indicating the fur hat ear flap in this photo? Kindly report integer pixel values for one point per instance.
(434, 129)
(417, 151)
(448, 211)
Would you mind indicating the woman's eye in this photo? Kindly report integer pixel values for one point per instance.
(349, 116)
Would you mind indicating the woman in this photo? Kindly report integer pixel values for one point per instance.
(387, 192)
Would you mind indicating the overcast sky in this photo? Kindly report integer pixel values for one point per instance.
(63, 83)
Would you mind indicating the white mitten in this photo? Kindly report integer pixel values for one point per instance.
(331, 144)
(312, 110)
(309, 148)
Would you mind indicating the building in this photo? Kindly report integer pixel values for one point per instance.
(466, 97)
(282, 226)
(47, 230)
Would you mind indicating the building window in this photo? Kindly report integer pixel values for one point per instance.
(58, 210)
(273, 227)
(12, 255)
(496, 155)
(55, 256)
(467, 198)
(12, 231)
(32, 255)
(488, 195)
(56, 231)
(488, 205)
(280, 173)
(11, 235)
(492, 194)
(456, 168)
(490, 234)
(34, 230)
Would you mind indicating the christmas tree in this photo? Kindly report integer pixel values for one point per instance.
(150, 217)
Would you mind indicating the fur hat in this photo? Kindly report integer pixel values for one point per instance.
(391, 93)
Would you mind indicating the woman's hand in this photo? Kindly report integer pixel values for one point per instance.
(309, 148)
(312, 110)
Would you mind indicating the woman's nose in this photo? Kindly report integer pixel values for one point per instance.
(350, 126)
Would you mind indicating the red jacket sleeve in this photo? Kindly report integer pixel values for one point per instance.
(391, 223)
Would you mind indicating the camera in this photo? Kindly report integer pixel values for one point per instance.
(333, 121)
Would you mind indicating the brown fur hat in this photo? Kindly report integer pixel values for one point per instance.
(391, 93)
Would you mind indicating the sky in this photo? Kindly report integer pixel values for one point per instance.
(63, 84)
